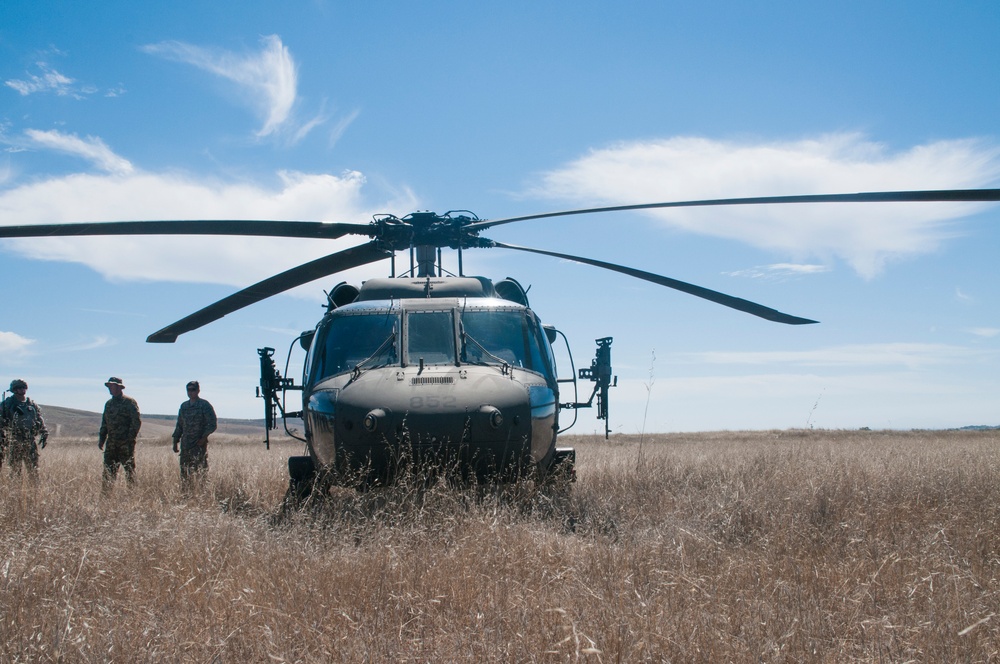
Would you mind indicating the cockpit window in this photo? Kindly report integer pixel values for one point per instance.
(350, 340)
(430, 336)
(495, 336)
(373, 339)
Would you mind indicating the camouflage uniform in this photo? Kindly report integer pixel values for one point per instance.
(119, 429)
(20, 423)
(195, 421)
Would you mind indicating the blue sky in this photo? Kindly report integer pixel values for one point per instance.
(339, 110)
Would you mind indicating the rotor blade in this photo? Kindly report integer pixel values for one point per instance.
(296, 229)
(940, 195)
(713, 296)
(303, 274)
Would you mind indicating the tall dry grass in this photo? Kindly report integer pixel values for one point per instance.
(767, 546)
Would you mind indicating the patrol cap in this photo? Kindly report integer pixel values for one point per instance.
(114, 381)
(16, 383)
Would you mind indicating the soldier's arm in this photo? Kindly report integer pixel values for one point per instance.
(179, 429)
(4, 417)
(102, 434)
(211, 421)
(135, 422)
(40, 426)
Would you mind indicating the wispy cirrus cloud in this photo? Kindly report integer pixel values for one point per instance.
(100, 341)
(341, 126)
(269, 77)
(907, 355)
(779, 271)
(984, 332)
(962, 296)
(90, 148)
(46, 80)
(867, 236)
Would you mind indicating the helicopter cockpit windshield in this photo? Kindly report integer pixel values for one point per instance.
(430, 337)
(371, 339)
(351, 340)
(492, 336)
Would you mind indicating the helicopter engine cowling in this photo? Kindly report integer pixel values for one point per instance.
(342, 294)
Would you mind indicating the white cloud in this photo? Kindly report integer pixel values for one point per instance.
(268, 77)
(779, 271)
(100, 341)
(13, 344)
(908, 355)
(342, 125)
(48, 80)
(307, 127)
(92, 149)
(985, 332)
(864, 235)
(236, 261)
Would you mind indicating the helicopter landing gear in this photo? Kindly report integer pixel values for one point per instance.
(555, 481)
(563, 466)
(560, 473)
(301, 480)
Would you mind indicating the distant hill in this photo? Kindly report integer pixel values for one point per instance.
(71, 423)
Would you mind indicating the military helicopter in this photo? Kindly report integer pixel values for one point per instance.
(448, 370)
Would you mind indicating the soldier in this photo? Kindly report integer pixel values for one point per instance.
(119, 429)
(20, 422)
(195, 421)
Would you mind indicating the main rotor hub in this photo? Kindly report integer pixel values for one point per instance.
(427, 229)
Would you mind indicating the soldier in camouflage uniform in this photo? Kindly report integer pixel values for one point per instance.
(195, 421)
(119, 429)
(20, 422)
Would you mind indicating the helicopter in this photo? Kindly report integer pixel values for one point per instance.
(432, 367)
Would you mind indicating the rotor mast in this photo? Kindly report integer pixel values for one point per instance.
(424, 234)
(426, 255)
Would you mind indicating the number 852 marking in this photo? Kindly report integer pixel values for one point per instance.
(419, 403)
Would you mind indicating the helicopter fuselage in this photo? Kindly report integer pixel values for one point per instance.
(459, 378)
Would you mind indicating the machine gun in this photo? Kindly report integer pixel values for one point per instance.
(271, 382)
(601, 374)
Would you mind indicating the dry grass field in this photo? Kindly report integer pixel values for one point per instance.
(781, 546)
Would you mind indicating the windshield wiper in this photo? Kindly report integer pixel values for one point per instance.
(389, 342)
(466, 337)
